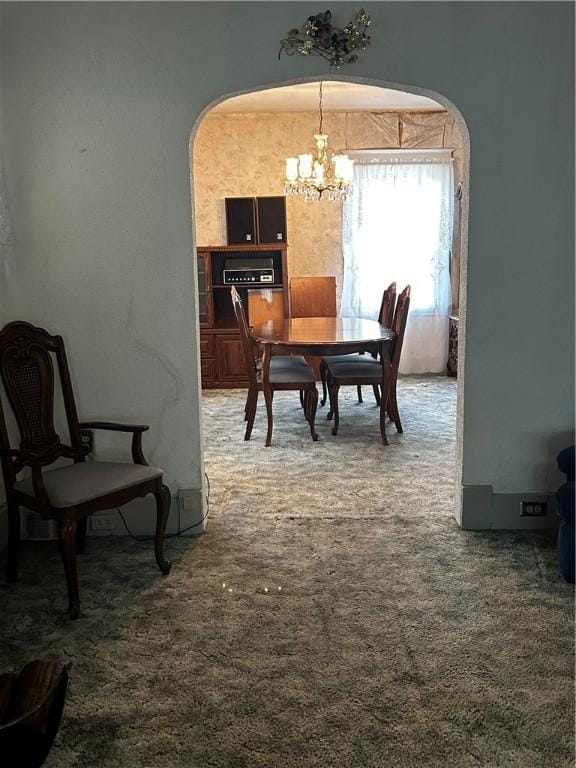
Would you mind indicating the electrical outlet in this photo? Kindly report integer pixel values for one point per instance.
(103, 523)
(188, 500)
(533, 509)
(87, 439)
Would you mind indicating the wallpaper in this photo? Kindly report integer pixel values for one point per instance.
(243, 155)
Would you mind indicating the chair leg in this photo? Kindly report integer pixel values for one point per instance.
(330, 384)
(163, 501)
(81, 535)
(323, 375)
(359, 392)
(251, 404)
(334, 389)
(383, 423)
(306, 404)
(376, 390)
(247, 406)
(312, 407)
(13, 541)
(268, 399)
(302, 400)
(393, 407)
(67, 531)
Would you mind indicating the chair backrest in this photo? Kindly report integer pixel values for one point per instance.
(247, 343)
(386, 314)
(313, 296)
(399, 325)
(27, 374)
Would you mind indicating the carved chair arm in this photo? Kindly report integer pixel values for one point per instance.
(113, 426)
(136, 429)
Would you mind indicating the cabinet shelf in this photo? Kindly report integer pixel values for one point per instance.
(262, 286)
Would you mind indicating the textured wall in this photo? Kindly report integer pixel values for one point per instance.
(238, 155)
(99, 102)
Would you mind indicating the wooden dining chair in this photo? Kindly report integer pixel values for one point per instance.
(385, 317)
(286, 373)
(70, 493)
(369, 371)
(313, 296)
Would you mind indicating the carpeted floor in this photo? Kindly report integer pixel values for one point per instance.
(395, 641)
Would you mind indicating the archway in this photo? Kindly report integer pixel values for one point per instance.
(452, 110)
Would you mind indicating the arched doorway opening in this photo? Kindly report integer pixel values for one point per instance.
(226, 160)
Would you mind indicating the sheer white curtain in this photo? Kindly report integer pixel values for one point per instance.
(397, 225)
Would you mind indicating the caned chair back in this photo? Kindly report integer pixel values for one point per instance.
(313, 296)
(386, 314)
(27, 374)
(247, 344)
(399, 325)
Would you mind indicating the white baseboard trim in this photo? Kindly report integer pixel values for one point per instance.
(482, 509)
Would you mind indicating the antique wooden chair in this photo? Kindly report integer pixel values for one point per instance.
(385, 316)
(369, 371)
(286, 373)
(313, 296)
(31, 705)
(70, 493)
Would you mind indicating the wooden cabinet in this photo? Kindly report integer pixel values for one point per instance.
(204, 293)
(221, 353)
(230, 358)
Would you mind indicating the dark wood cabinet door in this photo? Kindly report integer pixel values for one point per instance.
(209, 370)
(204, 289)
(230, 359)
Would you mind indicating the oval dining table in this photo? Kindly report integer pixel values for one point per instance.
(322, 336)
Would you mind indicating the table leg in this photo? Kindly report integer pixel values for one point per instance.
(267, 390)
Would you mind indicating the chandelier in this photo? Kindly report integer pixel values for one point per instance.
(314, 174)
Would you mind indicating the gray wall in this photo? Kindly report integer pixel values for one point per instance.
(99, 101)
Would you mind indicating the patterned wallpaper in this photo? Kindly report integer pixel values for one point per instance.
(242, 155)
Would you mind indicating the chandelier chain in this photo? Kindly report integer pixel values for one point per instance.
(320, 108)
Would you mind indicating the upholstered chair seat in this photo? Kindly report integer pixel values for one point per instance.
(279, 362)
(294, 375)
(78, 483)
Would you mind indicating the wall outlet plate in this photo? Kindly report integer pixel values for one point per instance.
(87, 439)
(103, 523)
(533, 509)
(188, 499)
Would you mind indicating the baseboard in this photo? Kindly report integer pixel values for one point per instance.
(138, 517)
(482, 509)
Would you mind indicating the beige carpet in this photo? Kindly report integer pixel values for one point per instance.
(395, 641)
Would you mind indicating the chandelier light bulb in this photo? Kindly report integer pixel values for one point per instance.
(305, 167)
(291, 169)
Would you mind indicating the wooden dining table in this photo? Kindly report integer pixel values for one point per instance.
(322, 336)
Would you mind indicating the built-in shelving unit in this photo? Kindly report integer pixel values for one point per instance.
(222, 356)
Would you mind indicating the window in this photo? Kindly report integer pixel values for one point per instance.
(397, 225)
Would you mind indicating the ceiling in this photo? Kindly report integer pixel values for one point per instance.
(337, 97)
